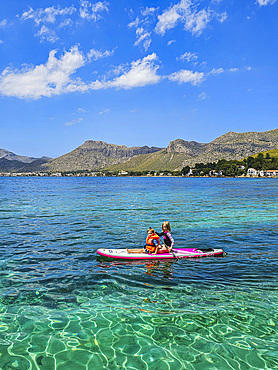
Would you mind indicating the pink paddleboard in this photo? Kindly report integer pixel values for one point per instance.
(177, 253)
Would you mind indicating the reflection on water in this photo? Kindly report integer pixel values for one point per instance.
(63, 308)
(160, 269)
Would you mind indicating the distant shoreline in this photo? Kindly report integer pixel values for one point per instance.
(143, 176)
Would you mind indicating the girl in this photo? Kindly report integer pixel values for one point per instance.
(167, 238)
(152, 243)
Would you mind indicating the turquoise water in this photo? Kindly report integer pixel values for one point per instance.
(62, 308)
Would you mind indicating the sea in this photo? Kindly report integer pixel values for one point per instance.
(62, 307)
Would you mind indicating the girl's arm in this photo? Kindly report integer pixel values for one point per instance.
(156, 246)
(159, 234)
(171, 238)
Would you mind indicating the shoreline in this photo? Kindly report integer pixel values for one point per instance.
(14, 174)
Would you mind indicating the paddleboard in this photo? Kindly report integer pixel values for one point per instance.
(178, 253)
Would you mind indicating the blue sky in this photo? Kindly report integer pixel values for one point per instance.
(134, 72)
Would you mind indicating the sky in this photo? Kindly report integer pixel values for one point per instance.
(134, 73)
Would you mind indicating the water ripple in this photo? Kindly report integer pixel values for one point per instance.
(62, 308)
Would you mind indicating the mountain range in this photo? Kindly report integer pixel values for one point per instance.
(97, 155)
(180, 153)
(14, 157)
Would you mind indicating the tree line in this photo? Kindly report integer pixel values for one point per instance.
(234, 167)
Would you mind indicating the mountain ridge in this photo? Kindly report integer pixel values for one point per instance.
(229, 146)
(14, 157)
(95, 155)
(99, 155)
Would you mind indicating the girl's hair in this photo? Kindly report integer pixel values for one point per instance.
(150, 230)
(166, 224)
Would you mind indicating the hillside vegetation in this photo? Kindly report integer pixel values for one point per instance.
(181, 153)
(260, 162)
(159, 161)
(272, 153)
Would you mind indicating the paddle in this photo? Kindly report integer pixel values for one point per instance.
(171, 251)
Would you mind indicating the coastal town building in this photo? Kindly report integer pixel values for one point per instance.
(252, 172)
(271, 173)
(215, 173)
(123, 173)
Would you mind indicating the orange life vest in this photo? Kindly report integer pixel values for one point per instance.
(149, 242)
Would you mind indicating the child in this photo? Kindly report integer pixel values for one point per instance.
(152, 244)
(167, 238)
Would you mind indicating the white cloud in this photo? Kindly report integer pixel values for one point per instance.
(170, 17)
(149, 11)
(185, 12)
(81, 110)
(91, 11)
(1, 41)
(196, 22)
(105, 111)
(140, 31)
(66, 23)
(170, 42)
(141, 73)
(222, 17)
(55, 77)
(48, 34)
(47, 15)
(143, 37)
(202, 96)
(51, 78)
(189, 57)
(73, 122)
(216, 71)
(96, 54)
(134, 23)
(87, 10)
(116, 71)
(183, 76)
(233, 69)
(265, 2)
(3, 23)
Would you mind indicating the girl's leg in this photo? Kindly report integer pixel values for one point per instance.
(163, 249)
(141, 250)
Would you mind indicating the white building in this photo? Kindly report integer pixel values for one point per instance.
(214, 173)
(252, 172)
(122, 173)
(271, 173)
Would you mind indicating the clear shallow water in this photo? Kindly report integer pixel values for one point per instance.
(62, 308)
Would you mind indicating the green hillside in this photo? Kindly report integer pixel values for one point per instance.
(158, 161)
(273, 153)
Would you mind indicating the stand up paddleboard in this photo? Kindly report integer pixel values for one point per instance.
(177, 253)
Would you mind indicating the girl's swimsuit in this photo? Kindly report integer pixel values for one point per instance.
(167, 238)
